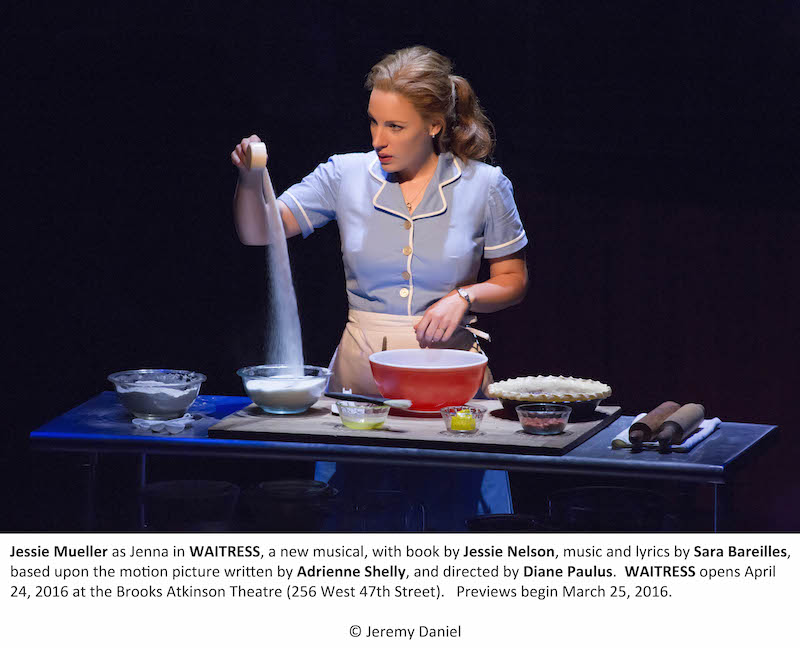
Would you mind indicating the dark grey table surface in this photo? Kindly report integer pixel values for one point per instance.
(103, 425)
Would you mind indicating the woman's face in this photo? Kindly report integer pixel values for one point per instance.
(400, 136)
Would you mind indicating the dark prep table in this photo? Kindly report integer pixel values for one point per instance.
(102, 425)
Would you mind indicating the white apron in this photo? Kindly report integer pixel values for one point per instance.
(477, 492)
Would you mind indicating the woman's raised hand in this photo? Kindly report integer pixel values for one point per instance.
(441, 320)
(239, 154)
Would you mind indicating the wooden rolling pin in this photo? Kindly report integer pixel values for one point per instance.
(645, 428)
(680, 426)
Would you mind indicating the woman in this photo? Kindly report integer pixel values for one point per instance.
(415, 216)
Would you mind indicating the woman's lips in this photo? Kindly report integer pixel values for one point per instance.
(385, 158)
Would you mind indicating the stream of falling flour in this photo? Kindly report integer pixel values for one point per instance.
(283, 342)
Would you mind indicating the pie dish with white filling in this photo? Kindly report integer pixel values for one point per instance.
(582, 394)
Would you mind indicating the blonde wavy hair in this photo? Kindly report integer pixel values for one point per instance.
(425, 78)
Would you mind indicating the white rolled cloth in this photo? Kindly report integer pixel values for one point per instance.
(622, 440)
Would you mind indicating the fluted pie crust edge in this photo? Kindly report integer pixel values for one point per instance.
(546, 389)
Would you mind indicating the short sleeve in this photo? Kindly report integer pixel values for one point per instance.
(504, 232)
(313, 199)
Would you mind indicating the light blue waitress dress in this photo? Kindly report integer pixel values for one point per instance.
(401, 264)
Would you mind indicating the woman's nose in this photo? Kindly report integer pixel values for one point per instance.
(378, 138)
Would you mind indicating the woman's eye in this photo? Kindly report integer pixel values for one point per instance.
(394, 127)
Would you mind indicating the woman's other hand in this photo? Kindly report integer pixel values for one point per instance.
(239, 154)
(441, 320)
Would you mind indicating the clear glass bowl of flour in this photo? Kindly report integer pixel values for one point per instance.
(157, 394)
(282, 389)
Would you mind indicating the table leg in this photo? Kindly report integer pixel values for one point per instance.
(89, 467)
(721, 507)
(141, 471)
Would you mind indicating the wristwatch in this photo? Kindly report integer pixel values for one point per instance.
(463, 293)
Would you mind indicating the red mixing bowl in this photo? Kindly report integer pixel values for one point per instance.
(429, 378)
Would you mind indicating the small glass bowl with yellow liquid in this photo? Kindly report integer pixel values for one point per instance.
(463, 418)
(362, 416)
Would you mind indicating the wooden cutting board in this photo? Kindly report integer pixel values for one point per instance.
(499, 432)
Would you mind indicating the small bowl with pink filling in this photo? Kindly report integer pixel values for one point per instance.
(543, 418)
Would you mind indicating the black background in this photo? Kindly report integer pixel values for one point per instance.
(653, 149)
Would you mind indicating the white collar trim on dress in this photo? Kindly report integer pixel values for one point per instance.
(384, 182)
